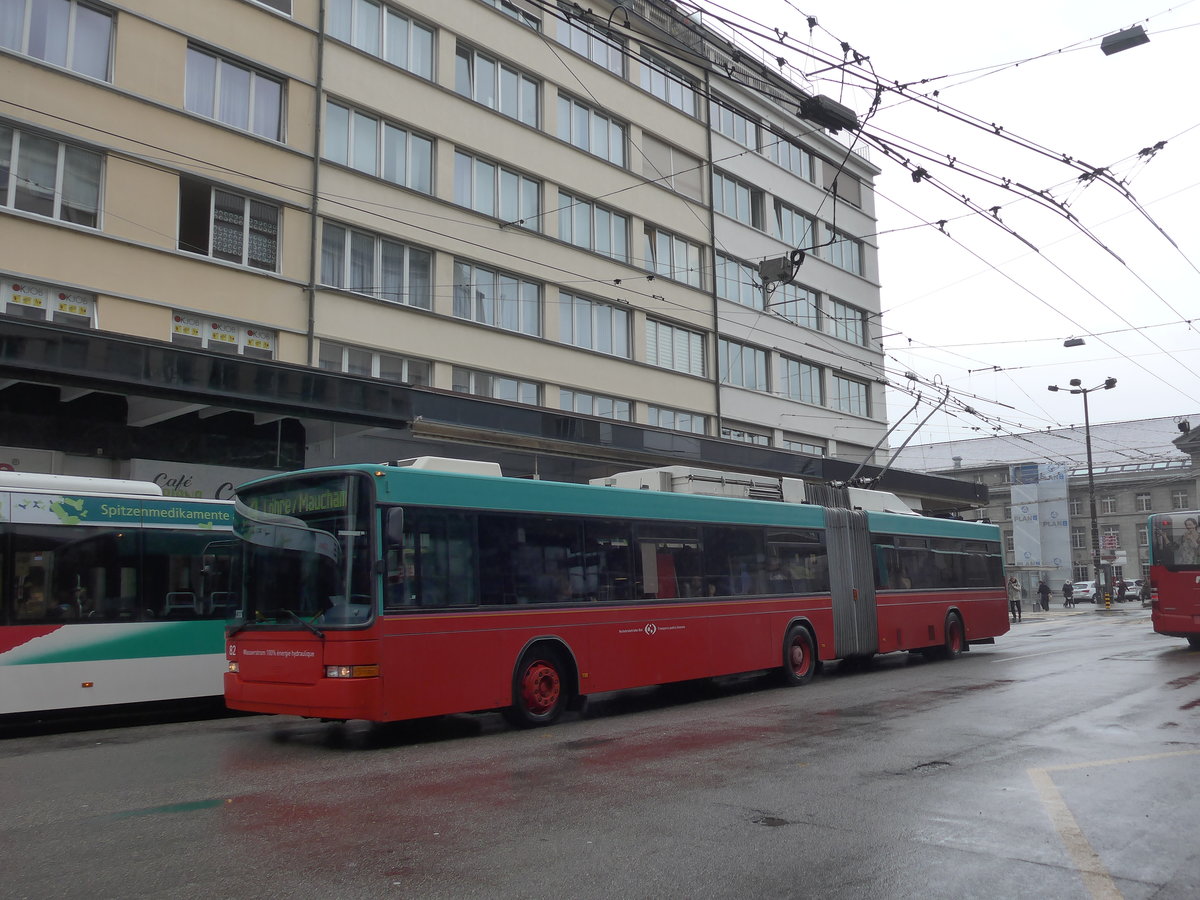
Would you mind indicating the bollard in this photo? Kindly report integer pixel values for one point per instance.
(1107, 600)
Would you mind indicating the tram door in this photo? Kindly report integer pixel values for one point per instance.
(852, 583)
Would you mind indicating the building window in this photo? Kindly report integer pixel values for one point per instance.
(671, 256)
(222, 336)
(497, 387)
(603, 49)
(496, 85)
(48, 178)
(674, 348)
(676, 420)
(373, 364)
(46, 303)
(795, 303)
(593, 325)
(76, 36)
(737, 200)
(283, 6)
(738, 281)
(1143, 536)
(805, 445)
(1081, 573)
(1075, 506)
(383, 32)
(224, 225)
(1078, 538)
(791, 156)
(526, 17)
(671, 167)
(591, 131)
(846, 322)
(1108, 504)
(595, 405)
(844, 252)
(745, 436)
(1142, 503)
(733, 123)
(378, 147)
(848, 187)
(851, 396)
(1179, 500)
(370, 264)
(233, 94)
(593, 227)
(1008, 541)
(792, 226)
(802, 381)
(742, 365)
(496, 191)
(1110, 537)
(668, 83)
(497, 299)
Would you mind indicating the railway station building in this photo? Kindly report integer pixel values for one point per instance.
(1039, 491)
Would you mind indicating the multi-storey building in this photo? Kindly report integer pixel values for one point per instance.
(259, 234)
(1040, 495)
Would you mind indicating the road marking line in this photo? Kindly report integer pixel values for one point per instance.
(1096, 878)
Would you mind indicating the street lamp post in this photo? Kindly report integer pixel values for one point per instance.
(1077, 388)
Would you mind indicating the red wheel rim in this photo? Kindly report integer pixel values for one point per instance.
(540, 688)
(956, 637)
(800, 655)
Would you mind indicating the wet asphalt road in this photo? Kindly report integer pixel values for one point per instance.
(1061, 762)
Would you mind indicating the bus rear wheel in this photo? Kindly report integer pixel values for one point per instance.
(799, 656)
(540, 690)
(955, 640)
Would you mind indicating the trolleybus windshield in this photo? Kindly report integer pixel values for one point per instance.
(306, 550)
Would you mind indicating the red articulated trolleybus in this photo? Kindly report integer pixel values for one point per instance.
(1175, 574)
(432, 586)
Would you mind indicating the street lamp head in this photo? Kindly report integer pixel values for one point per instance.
(1053, 387)
(1075, 382)
(1110, 383)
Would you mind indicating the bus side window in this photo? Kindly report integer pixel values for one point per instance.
(441, 547)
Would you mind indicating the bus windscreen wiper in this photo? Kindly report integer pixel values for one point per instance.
(307, 624)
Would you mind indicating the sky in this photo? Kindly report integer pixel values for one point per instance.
(982, 304)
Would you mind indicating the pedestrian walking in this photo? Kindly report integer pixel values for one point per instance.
(1014, 598)
(1068, 595)
(1044, 595)
(1144, 593)
(1122, 590)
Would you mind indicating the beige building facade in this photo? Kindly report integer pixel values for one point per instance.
(296, 232)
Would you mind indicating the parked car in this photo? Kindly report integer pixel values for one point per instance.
(1085, 591)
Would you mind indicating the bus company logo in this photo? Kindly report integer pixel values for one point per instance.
(232, 650)
(650, 629)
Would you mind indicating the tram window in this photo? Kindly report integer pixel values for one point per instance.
(76, 574)
(799, 560)
(733, 564)
(172, 582)
(669, 561)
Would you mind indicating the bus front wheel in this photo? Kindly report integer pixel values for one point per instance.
(799, 656)
(540, 690)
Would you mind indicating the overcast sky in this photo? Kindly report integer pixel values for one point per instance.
(976, 308)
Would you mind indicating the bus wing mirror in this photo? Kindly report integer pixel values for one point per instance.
(394, 526)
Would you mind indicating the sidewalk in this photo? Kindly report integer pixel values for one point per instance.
(1057, 611)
